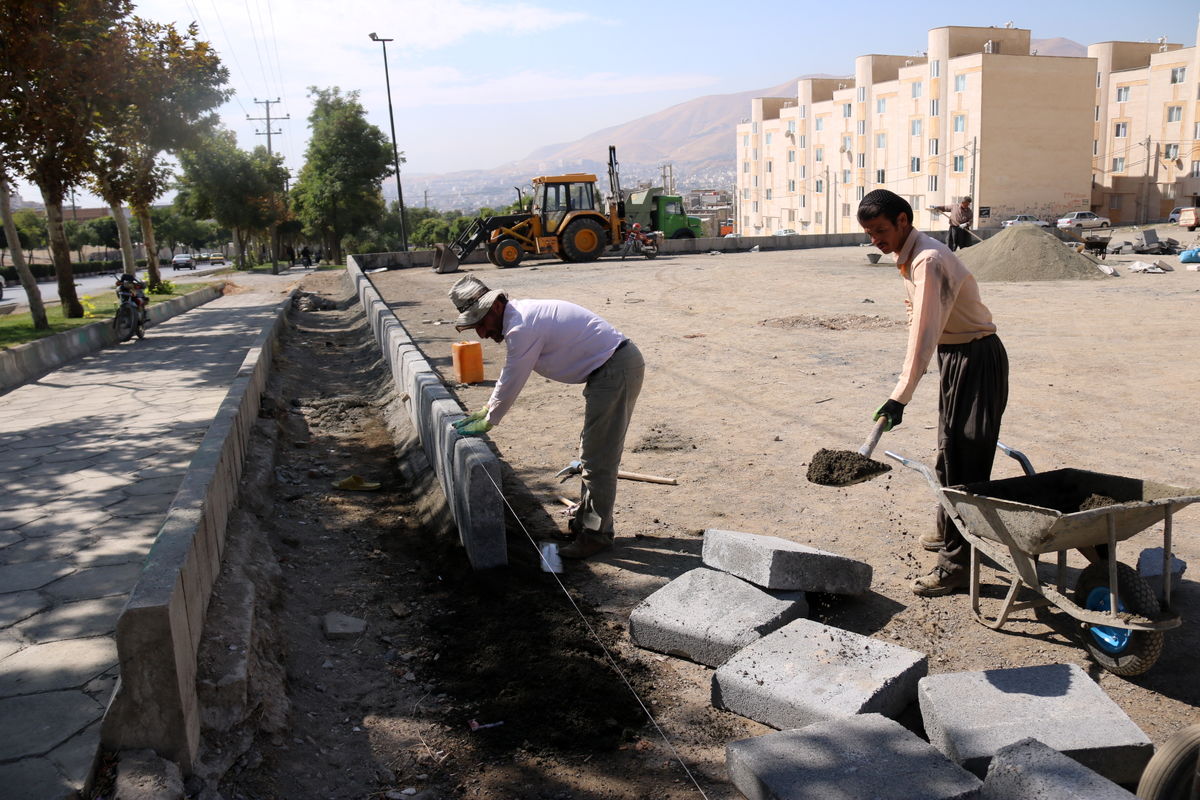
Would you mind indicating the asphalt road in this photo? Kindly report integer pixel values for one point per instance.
(95, 285)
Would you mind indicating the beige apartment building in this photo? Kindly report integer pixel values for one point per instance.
(1146, 143)
(976, 113)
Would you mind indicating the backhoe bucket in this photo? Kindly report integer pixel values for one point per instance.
(444, 259)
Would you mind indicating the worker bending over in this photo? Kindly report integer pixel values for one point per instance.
(945, 314)
(569, 344)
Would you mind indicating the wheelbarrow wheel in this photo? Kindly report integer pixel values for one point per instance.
(1174, 771)
(1118, 650)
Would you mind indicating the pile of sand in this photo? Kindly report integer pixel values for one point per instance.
(1027, 253)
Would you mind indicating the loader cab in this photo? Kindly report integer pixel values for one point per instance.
(556, 198)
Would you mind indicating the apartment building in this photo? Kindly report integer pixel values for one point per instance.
(975, 113)
(1146, 142)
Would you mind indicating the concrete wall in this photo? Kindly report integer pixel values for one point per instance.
(466, 468)
(155, 705)
(26, 362)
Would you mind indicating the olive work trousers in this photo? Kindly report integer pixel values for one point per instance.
(609, 395)
(974, 393)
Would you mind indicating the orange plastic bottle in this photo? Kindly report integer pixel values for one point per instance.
(468, 361)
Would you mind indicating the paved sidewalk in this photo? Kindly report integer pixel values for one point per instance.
(91, 456)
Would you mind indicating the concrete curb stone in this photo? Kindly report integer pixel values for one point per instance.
(1029, 770)
(774, 563)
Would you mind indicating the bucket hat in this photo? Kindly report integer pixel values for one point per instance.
(472, 299)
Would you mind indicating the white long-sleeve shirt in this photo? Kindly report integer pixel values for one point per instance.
(556, 339)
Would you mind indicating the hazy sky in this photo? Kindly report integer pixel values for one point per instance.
(476, 83)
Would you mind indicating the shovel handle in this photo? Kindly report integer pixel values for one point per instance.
(872, 440)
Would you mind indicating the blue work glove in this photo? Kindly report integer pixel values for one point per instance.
(893, 411)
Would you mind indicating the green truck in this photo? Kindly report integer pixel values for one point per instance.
(661, 212)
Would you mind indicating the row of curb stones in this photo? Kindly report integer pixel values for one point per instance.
(831, 693)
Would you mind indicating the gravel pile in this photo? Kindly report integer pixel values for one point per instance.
(1027, 253)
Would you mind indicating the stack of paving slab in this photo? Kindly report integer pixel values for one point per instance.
(831, 693)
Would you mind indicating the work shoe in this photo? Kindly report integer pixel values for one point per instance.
(940, 581)
(932, 541)
(586, 545)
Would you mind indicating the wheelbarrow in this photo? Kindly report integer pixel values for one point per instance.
(1015, 521)
(1097, 245)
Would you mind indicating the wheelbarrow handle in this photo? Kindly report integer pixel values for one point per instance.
(1019, 456)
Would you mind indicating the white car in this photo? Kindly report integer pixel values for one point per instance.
(1083, 219)
(785, 232)
(1173, 217)
(1024, 219)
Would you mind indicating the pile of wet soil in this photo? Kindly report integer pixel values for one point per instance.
(1097, 501)
(1027, 253)
(842, 467)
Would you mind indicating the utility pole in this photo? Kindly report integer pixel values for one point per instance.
(427, 198)
(971, 187)
(267, 118)
(827, 193)
(387, 77)
(1144, 214)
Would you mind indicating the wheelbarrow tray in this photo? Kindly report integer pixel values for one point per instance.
(1040, 512)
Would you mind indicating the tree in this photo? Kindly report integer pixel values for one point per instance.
(172, 82)
(104, 231)
(12, 238)
(79, 234)
(338, 189)
(236, 188)
(60, 66)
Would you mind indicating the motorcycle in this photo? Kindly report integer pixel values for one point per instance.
(131, 315)
(638, 243)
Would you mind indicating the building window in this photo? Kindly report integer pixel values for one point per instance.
(1097, 113)
(754, 207)
(861, 161)
(803, 171)
(791, 215)
(1174, 113)
(1122, 94)
(1118, 165)
(1178, 74)
(914, 164)
(879, 176)
(745, 140)
(768, 142)
(791, 186)
(791, 126)
(1196, 169)
(960, 123)
(960, 83)
(960, 163)
(820, 126)
(845, 177)
(745, 166)
(745, 194)
(933, 147)
(803, 112)
(880, 105)
(859, 191)
(791, 156)
(820, 186)
(847, 110)
(845, 209)
(755, 182)
(935, 106)
(915, 127)
(1114, 202)
(803, 143)
(768, 194)
(770, 166)
(1171, 152)
(819, 154)
(1097, 80)
(916, 89)
(862, 94)
(754, 127)
(881, 140)
(803, 201)
(1095, 147)
(935, 68)
(861, 127)
(817, 218)
(1196, 131)
(933, 183)
(846, 142)
(1121, 130)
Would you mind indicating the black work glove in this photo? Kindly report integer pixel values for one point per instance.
(894, 412)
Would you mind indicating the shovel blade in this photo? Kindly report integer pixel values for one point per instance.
(843, 468)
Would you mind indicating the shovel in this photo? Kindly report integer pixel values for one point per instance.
(846, 467)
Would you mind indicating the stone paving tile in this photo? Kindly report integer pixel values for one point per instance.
(166, 484)
(9, 644)
(90, 583)
(34, 779)
(140, 505)
(74, 757)
(19, 516)
(134, 527)
(47, 548)
(55, 665)
(16, 606)
(19, 577)
(72, 620)
(36, 724)
(79, 519)
(8, 537)
(124, 549)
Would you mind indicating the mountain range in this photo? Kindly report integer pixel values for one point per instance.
(696, 137)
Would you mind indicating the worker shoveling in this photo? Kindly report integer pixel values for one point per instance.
(847, 467)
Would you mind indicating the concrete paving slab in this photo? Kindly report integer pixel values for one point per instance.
(76, 757)
(33, 575)
(46, 548)
(1057, 704)
(56, 665)
(17, 517)
(9, 644)
(74, 620)
(36, 724)
(865, 756)
(35, 779)
(706, 616)
(1029, 770)
(8, 537)
(16, 606)
(807, 672)
(774, 563)
(91, 582)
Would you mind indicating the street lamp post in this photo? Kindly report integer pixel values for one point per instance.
(395, 152)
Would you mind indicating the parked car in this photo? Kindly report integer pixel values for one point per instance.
(1173, 217)
(1024, 219)
(733, 236)
(183, 261)
(216, 258)
(1188, 218)
(785, 232)
(1083, 219)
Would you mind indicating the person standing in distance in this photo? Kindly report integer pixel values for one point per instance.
(961, 217)
(946, 315)
(566, 343)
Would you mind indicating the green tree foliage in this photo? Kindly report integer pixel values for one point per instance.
(338, 189)
(239, 190)
(60, 67)
(31, 229)
(104, 231)
(79, 235)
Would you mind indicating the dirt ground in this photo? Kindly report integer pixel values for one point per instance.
(754, 362)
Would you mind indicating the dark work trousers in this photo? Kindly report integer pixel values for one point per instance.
(958, 238)
(974, 393)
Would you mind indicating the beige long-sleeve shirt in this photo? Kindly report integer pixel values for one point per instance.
(943, 304)
(958, 215)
